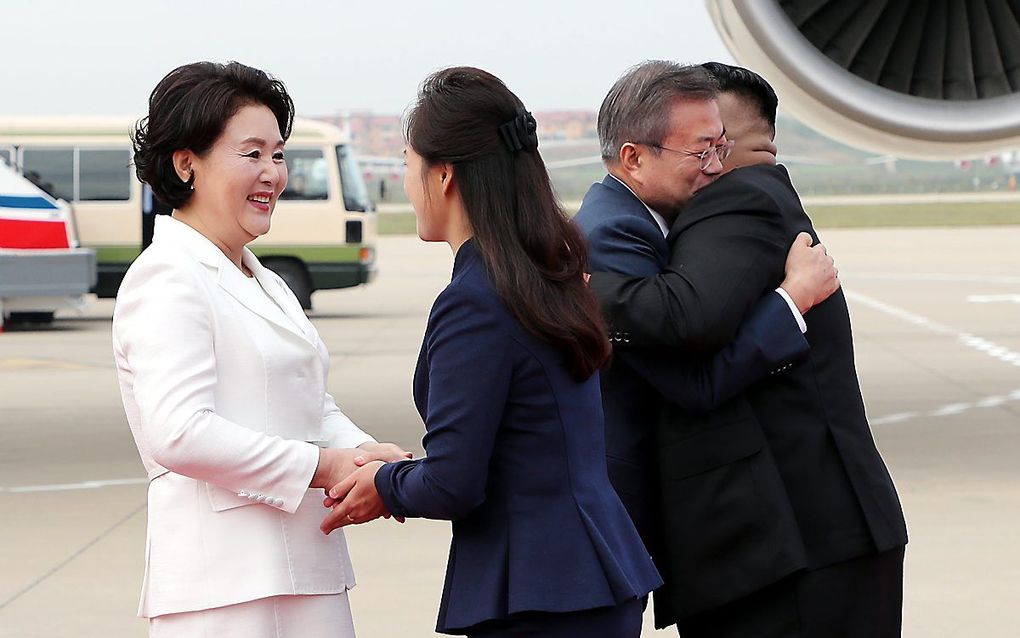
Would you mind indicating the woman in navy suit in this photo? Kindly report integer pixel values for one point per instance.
(507, 386)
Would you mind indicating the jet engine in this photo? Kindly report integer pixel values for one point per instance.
(920, 79)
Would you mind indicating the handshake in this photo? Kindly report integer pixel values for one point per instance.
(347, 476)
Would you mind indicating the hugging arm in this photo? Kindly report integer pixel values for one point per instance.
(769, 338)
(721, 265)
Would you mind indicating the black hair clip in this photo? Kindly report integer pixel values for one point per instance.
(520, 133)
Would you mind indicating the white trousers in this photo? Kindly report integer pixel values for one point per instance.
(319, 616)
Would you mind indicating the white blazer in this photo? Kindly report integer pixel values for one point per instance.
(225, 393)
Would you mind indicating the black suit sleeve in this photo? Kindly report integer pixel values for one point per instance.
(730, 251)
(768, 339)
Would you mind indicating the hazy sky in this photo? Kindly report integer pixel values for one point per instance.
(105, 56)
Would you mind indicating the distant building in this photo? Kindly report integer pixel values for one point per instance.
(371, 133)
(566, 125)
(381, 135)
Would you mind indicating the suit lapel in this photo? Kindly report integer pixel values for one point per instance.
(421, 380)
(233, 281)
(282, 296)
(240, 288)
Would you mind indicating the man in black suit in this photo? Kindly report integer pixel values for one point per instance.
(626, 218)
(779, 515)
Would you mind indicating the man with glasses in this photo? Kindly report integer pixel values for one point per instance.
(782, 520)
(706, 158)
(663, 140)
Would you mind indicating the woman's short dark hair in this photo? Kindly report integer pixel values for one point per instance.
(189, 109)
(534, 255)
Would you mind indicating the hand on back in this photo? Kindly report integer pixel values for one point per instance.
(811, 274)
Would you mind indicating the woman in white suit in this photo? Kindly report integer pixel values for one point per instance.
(224, 378)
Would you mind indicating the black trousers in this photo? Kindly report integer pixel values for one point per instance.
(858, 598)
(622, 621)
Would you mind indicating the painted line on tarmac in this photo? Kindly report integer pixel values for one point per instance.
(972, 341)
(949, 409)
(64, 563)
(66, 487)
(994, 298)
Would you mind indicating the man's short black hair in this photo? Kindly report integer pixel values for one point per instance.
(748, 85)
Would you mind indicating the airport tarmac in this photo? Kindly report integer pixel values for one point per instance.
(937, 321)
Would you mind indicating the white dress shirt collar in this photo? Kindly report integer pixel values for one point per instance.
(659, 219)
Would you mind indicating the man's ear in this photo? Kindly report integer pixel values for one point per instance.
(446, 178)
(182, 160)
(631, 158)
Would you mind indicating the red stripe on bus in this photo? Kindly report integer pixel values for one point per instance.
(23, 233)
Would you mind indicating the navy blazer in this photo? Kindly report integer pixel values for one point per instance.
(623, 238)
(515, 457)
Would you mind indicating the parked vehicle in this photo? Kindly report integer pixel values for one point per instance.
(324, 226)
(42, 267)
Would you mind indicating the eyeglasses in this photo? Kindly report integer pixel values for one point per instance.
(720, 151)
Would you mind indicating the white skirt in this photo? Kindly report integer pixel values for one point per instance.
(309, 616)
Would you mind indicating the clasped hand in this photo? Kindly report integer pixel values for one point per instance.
(336, 464)
(355, 500)
(340, 470)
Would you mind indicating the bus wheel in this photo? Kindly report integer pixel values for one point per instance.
(295, 276)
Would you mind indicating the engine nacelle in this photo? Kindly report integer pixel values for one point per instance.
(921, 79)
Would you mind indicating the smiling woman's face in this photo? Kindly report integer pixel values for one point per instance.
(238, 182)
(753, 138)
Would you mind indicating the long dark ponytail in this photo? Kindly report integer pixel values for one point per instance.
(534, 255)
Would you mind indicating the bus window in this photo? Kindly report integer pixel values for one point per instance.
(104, 175)
(5, 156)
(307, 175)
(355, 193)
(50, 169)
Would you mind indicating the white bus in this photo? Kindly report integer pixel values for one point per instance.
(324, 227)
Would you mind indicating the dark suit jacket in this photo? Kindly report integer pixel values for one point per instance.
(788, 475)
(624, 238)
(516, 459)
